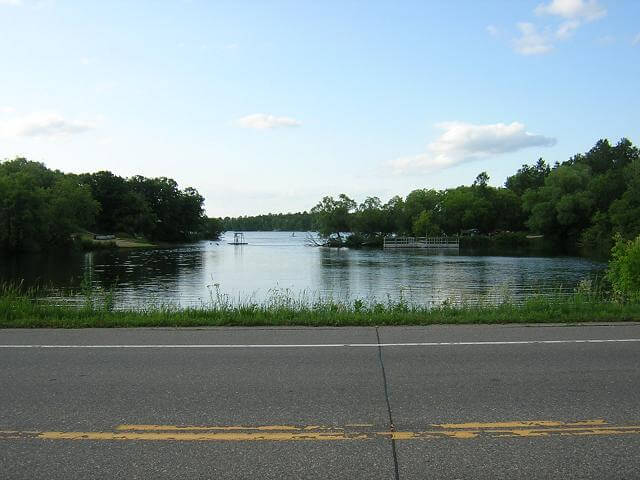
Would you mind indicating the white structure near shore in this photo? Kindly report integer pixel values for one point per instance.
(422, 242)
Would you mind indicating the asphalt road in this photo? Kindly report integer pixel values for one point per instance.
(431, 402)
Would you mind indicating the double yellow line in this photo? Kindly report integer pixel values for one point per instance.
(360, 431)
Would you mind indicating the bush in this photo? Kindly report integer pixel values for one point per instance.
(355, 240)
(624, 268)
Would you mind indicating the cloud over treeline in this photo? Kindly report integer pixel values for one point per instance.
(465, 142)
(42, 124)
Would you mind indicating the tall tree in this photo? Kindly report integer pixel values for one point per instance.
(528, 177)
(332, 215)
(41, 208)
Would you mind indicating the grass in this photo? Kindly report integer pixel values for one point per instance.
(28, 308)
(133, 243)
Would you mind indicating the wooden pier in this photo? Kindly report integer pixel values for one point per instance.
(422, 242)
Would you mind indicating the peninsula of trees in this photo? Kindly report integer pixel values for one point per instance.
(42, 209)
(578, 204)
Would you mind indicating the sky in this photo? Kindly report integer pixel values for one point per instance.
(267, 106)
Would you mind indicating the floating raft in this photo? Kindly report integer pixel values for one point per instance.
(238, 239)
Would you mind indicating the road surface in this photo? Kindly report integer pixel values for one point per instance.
(372, 403)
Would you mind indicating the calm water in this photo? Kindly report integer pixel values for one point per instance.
(276, 261)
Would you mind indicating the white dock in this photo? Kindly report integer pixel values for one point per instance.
(422, 242)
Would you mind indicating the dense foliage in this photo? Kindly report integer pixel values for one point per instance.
(42, 208)
(624, 268)
(580, 203)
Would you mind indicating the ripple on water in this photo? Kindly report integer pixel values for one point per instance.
(276, 262)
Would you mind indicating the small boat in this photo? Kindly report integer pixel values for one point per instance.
(238, 239)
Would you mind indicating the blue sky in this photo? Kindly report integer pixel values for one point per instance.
(266, 106)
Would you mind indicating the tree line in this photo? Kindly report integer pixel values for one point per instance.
(580, 203)
(298, 222)
(42, 208)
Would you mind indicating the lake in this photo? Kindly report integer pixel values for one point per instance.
(276, 263)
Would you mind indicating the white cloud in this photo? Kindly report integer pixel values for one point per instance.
(636, 40)
(7, 109)
(14, 3)
(262, 121)
(493, 30)
(464, 142)
(588, 10)
(42, 124)
(566, 29)
(532, 41)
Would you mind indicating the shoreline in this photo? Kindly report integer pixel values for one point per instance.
(29, 312)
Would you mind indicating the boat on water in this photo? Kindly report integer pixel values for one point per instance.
(238, 239)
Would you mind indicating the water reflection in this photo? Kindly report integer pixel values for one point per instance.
(189, 274)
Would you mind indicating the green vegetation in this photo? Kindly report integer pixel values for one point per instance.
(41, 209)
(27, 309)
(577, 206)
(332, 216)
(624, 268)
(291, 222)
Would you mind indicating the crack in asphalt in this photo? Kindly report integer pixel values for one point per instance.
(392, 427)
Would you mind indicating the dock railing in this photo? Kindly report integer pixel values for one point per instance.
(422, 242)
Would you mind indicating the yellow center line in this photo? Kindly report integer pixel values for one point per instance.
(517, 424)
(364, 431)
(199, 437)
(516, 432)
(213, 427)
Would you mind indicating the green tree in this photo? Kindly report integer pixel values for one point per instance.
(528, 177)
(463, 208)
(71, 207)
(507, 210)
(395, 217)
(624, 213)
(563, 207)
(369, 217)
(418, 201)
(179, 215)
(425, 225)
(482, 180)
(624, 268)
(121, 208)
(212, 228)
(41, 208)
(332, 216)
